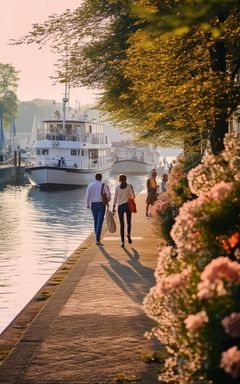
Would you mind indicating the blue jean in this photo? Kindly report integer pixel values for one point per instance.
(123, 208)
(98, 211)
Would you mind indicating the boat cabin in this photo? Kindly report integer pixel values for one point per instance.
(73, 143)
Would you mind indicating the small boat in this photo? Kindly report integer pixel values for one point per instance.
(68, 152)
(133, 159)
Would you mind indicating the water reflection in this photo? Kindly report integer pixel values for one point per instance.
(39, 230)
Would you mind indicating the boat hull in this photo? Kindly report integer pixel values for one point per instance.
(132, 167)
(62, 178)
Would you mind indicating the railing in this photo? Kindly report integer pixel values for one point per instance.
(77, 136)
(63, 163)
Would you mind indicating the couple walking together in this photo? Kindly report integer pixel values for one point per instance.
(94, 200)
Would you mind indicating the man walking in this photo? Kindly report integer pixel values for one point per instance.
(94, 200)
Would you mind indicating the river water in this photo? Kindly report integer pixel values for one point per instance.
(39, 230)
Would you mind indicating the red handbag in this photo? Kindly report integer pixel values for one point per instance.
(132, 205)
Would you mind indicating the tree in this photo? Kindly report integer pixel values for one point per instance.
(218, 23)
(8, 86)
(167, 69)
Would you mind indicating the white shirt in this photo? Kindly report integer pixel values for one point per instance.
(123, 194)
(93, 194)
(163, 186)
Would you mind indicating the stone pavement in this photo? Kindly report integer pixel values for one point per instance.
(91, 329)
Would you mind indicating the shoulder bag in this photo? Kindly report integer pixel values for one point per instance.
(104, 196)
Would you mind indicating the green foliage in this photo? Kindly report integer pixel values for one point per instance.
(178, 192)
(8, 87)
(167, 70)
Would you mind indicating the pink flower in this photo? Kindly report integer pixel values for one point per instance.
(221, 268)
(220, 191)
(194, 322)
(173, 282)
(207, 289)
(230, 361)
(217, 272)
(231, 324)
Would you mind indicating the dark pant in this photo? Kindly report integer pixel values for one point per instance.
(123, 208)
(98, 211)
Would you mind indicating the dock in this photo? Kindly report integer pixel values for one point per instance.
(10, 174)
(86, 325)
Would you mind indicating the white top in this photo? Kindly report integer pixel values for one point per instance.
(93, 194)
(163, 186)
(122, 195)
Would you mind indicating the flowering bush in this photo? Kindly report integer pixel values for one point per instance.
(166, 208)
(195, 301)
(214, 169)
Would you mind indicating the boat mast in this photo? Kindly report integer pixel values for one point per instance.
(66, 92)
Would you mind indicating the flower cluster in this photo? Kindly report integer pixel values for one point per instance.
(195, 301)
(231, 324)
(214, 169)
(195, 322)
(173, 282)
(230, 361)
(166, 208)
(217, 272)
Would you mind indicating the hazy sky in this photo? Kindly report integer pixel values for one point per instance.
(35, 66)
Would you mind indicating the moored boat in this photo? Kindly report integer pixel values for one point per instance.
(133, 159)
(68, 152)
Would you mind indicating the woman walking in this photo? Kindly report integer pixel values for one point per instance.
(123, 192)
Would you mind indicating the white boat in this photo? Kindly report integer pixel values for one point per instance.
(132, 159)
(68, 152)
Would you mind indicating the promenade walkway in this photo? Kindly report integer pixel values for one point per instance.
(90, 331)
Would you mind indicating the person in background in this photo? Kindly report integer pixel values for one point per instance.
(163, 184)
(123, 192)
(172, 164)
(152, 190)
(170, 167)
(95, 202)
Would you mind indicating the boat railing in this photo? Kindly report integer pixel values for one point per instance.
(56, 137)
(64, 163)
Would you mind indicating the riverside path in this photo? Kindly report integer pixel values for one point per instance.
(90, 330)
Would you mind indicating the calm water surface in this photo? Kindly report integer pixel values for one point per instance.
(39, 230)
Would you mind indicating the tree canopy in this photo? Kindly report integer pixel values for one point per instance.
(8, 87)
(168, 70)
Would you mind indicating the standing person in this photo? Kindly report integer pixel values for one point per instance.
(123, 192)
(95, 202)
(164, 182)
(152, 190)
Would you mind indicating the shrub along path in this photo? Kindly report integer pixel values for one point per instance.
(91, 329)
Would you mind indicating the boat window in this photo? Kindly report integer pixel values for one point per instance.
(90, 129)
(93, 153)
(38, 152)
(73, 152)
(60, 137)
(49, 137)
(44, 151)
